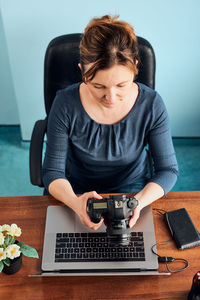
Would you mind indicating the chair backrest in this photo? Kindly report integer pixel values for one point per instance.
(61, 65)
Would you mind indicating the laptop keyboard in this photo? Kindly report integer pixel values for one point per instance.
(90, 247)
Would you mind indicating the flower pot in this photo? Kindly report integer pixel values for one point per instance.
(15, 265)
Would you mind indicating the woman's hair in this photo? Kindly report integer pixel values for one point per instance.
(107, 41)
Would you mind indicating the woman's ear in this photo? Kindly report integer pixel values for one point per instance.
(81, 68)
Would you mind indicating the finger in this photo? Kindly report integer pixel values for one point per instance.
(89, 195)
(94, 226)
(87, 221)
(97, 226)
(133, 220)
(96, 195)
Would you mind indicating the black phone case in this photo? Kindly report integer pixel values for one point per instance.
(182, 228)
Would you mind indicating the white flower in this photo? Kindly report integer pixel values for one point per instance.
(6, 228)
(1, 228)
(14, 230)
(13, 251)
(1, 238)
(2, 254)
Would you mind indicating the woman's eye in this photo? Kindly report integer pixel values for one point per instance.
(98, 87)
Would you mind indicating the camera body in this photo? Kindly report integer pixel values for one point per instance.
(116, 211)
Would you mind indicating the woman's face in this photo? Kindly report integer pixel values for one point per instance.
(110, 86)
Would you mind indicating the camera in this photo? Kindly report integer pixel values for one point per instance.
(116, 211)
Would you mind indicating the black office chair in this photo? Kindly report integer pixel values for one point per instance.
(61, 70)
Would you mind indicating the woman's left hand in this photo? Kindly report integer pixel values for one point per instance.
(134, 218)
(151, 192)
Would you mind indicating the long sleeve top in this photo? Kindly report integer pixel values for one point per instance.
(101, 157)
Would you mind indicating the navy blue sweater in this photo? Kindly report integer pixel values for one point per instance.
(94, 156)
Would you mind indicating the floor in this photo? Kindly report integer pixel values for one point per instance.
(14, 164)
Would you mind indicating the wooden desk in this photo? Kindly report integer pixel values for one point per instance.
(29, 214)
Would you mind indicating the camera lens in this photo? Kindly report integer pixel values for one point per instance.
(119, 233)
(120, 240)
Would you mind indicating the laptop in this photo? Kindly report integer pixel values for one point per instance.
(72, 249)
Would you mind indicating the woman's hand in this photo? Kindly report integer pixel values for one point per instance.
(80, 207)
(135, 217)
(62, 190)
(151, 192)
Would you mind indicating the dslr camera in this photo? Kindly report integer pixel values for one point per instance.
(116, 211)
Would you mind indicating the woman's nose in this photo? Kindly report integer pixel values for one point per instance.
(111, 95)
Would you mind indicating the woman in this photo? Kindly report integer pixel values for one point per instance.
(98, 129)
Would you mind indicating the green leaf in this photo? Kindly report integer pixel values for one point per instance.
(7, 262)
(12, 240)
(9, 240)
(1, 266)
(20, 244)
(6, 241)
(28, 251)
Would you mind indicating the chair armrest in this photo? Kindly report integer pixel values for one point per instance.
(35, 152)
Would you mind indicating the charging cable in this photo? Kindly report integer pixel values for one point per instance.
(168, 259)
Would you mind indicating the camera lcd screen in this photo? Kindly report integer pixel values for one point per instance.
(100, 205)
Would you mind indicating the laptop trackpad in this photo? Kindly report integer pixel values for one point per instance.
(60, 219)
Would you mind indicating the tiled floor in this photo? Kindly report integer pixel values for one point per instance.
(14, 164)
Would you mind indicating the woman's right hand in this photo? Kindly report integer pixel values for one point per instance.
(80, 207)
(62, 190)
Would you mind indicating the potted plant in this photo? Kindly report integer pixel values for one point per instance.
(11, 250)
